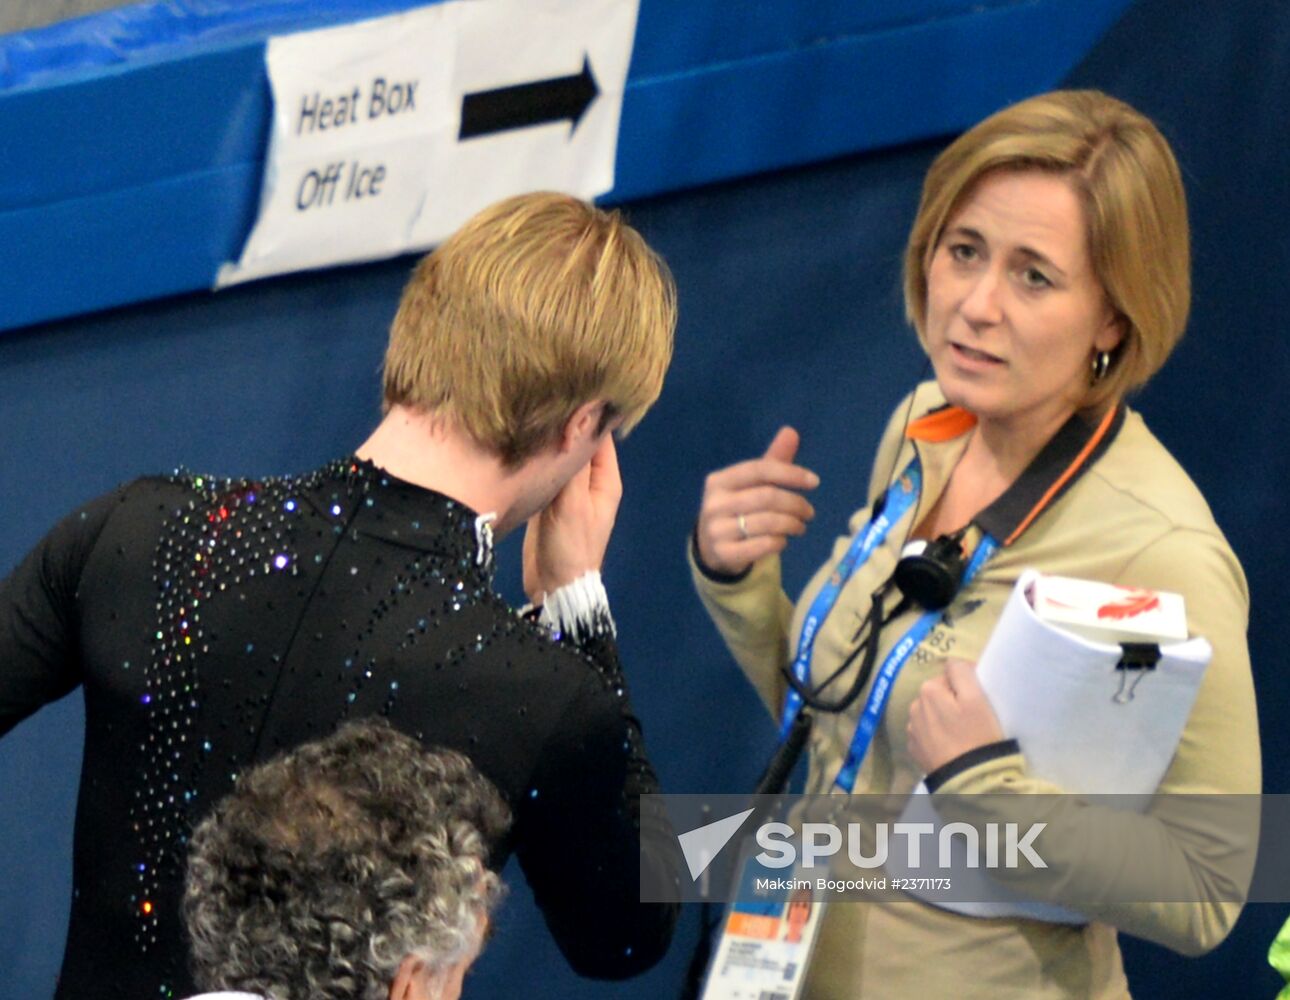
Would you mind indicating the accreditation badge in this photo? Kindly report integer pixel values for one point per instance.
(767, 937)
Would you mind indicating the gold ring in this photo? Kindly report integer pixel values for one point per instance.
(743, 528)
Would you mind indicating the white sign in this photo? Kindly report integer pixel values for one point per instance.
(388, 134)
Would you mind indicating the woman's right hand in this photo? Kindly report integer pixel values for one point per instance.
(750, 509)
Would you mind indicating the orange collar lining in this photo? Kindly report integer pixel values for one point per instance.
(943, 424)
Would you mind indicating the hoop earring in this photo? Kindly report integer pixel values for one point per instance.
(1101, 365)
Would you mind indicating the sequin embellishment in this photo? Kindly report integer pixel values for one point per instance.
(219, 537)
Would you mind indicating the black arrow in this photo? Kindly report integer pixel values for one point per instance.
(527, 104)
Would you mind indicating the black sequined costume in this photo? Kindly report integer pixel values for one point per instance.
(214, 623)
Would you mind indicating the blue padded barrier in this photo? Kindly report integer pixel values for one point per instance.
(163, 29)
(134, 139)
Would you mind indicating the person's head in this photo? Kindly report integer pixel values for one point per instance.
(538, 306)
(1096, 183)
(352, 867)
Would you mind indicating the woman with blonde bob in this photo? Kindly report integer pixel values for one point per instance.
(1046, 275)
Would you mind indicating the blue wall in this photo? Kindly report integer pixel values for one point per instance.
(790, 313)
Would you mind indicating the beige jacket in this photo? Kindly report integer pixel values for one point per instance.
(1133, 518)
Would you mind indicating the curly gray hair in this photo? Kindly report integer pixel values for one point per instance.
(327, 866)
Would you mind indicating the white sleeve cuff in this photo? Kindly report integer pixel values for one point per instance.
(579, 609)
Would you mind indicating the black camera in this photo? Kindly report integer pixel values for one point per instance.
(930, 572)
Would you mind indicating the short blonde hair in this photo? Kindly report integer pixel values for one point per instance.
(537, 305)
(1135, 212)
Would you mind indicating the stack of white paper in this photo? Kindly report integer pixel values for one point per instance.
(1056, 694)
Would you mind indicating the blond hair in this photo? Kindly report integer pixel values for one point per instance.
(537, 305)
(1135, 215)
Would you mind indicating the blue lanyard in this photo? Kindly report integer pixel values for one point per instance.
(900, 497)
(886, 677)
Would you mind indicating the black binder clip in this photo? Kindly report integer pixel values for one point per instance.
(1140, 657)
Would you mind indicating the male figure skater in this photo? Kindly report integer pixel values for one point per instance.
(216, 622)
